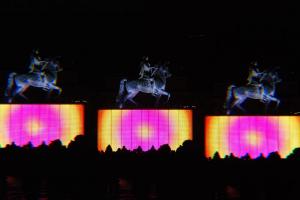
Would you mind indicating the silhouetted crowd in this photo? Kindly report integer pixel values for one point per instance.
(80, 171)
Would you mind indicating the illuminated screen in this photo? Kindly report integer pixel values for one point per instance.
(36, 123)
(144, 128)
(251, 134)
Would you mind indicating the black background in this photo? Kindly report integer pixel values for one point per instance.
(100, 42)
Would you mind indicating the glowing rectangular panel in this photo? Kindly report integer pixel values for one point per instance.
(144, 128)
(35, 123)
(251, 134)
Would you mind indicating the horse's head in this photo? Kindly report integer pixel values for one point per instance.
(164, 71)
(271, 76)
(53, 65)
(274, 77)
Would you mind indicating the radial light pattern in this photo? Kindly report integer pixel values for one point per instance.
(251, 134)
(144, 128)
(37, 123)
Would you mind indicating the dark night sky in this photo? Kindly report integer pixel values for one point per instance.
(209, 46)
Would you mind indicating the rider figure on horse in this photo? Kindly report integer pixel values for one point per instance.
(146, 72)
(254, 77)
(37, 65)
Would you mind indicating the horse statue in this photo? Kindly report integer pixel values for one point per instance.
(264, 91)
(154, 86)
(17, 84)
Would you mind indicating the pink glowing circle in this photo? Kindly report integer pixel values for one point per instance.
(266, 133)
(132, 129)
(45, 117)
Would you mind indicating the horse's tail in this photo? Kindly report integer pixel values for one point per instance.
(228, 96)
(10, 84)
(121, 90)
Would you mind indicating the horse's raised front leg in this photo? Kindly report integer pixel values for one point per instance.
(53, 87)
(162, 92)
(271, 98)
(59, 90)
(169, 95)
(278, 102)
